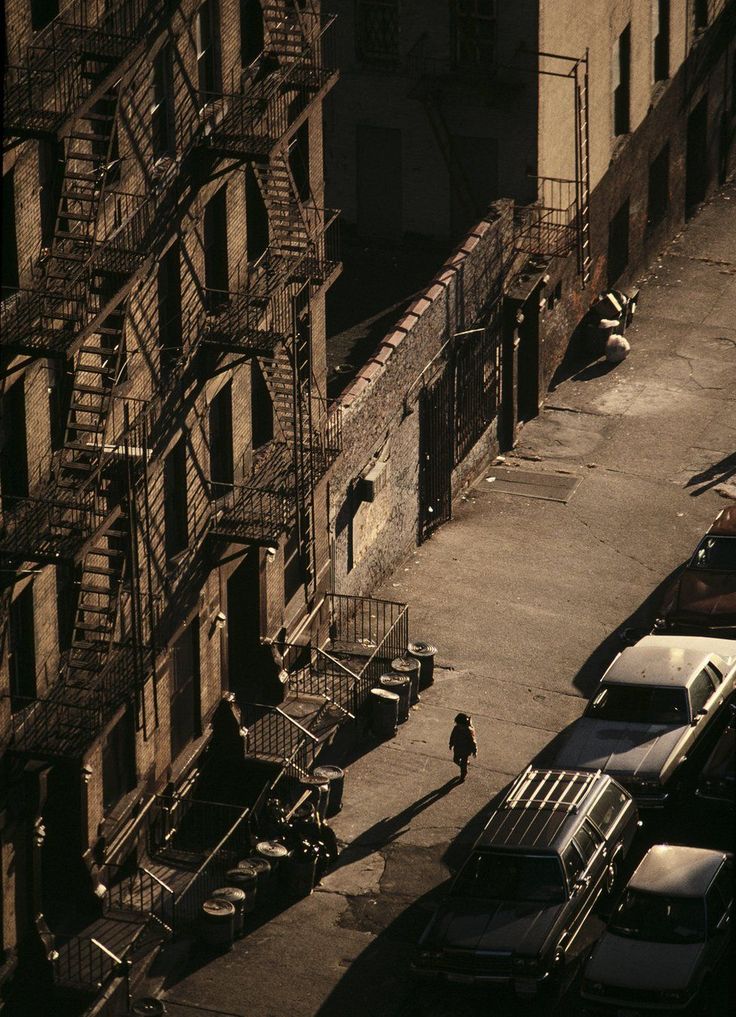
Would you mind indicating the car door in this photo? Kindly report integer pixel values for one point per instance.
(718, 912)
(590, 848)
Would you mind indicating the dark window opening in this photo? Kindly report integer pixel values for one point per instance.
(185, 722)
(377, 30)
(474, 33)
(299, 160)
(251, 31)
(221, 439)
(659, 187)
(66, 576)
(303, 333)
(50, 177)
(261, 408)
(256, 217)
(700, 13)
(118, 761)
(296, 560)
(162, 108)
(661, 41)
(216, 275)
(176, 528)
(169, 308)
(13, 448)
(22, 649)
(42, 13)
(209, 73)
(10, 243)
(622, 83)
(60, 393)
(618, 243)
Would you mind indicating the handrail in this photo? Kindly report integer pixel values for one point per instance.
(155, 877)
(339, 663)
(277, 709)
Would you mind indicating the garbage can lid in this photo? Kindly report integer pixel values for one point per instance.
(241, 874)
(395, 680)
(218, 907)
(232, 893)
(384, 694)
(404, 664)
(315, 781)
(329, 772)
(271, 849)
(255, 862)
(147, 1006)
(420, 649)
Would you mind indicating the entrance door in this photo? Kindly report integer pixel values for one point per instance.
(696, 167)
(527, 377)
(244, 629)
(66, 890)
(435, 454)
(379, 182)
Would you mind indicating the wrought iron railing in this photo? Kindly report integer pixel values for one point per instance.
(139, 892)
(549, 227)
(248, 512)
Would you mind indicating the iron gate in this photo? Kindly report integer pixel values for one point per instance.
(476, 386)
(435, 453)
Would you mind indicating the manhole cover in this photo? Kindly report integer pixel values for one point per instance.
(530, 483)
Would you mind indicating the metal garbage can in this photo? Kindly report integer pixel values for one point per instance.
(262, 869)
(274, 852)
(320, 793)
(334, 777)
(300, 872)
(237, 898)
(409, 667)
(245, 879)
(425, 654)
(217, 924)
(401, 685)
(147, 1006)
(384, 713)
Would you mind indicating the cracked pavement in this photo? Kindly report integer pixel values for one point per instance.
(526, 600)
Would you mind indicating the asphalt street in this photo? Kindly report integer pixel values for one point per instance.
(528, 600)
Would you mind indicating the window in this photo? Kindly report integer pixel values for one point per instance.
(618, 243)
(659, 187)
(10, 244)
(700, 14)
(256, 216)
(162, 111)
(251, 31)
(208, 50)
(303, 333)
(216, 275)
(639, 704)
(50, 176)
(377, 30)
(176, 534)
(118, 761)
(474, 32)
(293, 572)
(42, 13)
(299, 160)
(621, 66)
(501, 875)
(221, 439)
(60, 391)
(587, 840)
(715, 673)
(184, 702)
(13, 452)
(169, 307)
(660, 39)
(573, 863)
(22, 649)
(261, 408)
(608, 807)
(701, 690)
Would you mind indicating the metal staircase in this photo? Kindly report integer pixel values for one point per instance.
(288, 226)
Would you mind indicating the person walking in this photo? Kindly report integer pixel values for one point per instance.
(463, 743)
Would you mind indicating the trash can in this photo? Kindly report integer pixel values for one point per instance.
(409, 667)
(274, 852)
(262, 869)
(320, 793)
(300, 870)
(245, 879)
(237, 898)
(384, 713)
(334, 777)
(401, 685)
(217, 925)
(425, 654)
(147, 1006)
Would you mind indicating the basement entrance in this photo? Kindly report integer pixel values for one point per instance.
(435, 454)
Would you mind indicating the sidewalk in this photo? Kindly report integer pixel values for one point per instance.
(525, 599)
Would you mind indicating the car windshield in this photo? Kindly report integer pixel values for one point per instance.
(511, 877)
(640, 704)
(658, 919)
(716, 554)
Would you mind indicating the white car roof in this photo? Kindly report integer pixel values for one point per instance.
(672, 870)
(669, 660)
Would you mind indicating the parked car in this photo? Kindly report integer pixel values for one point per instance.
(717, 783)
(552, 847)
(666, 937)
(703, 597)
(650, 712)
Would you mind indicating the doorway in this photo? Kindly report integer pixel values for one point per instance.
(66, 889)
(527, 374)
(435, 454)
(696, 156)
(244, 629)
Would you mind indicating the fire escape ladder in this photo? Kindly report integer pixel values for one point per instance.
(583, 168)
(97, 366)
(289, 236)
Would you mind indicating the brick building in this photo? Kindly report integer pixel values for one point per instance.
(163, 464)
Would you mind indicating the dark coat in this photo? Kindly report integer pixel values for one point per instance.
(462, 742)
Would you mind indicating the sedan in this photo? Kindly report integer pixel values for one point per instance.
(667, 937)
(654, 707)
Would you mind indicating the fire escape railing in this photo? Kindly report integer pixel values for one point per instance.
(68, 62)
(250, 513)
(47, 529)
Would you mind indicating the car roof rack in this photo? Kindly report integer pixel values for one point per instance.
(553, 790)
